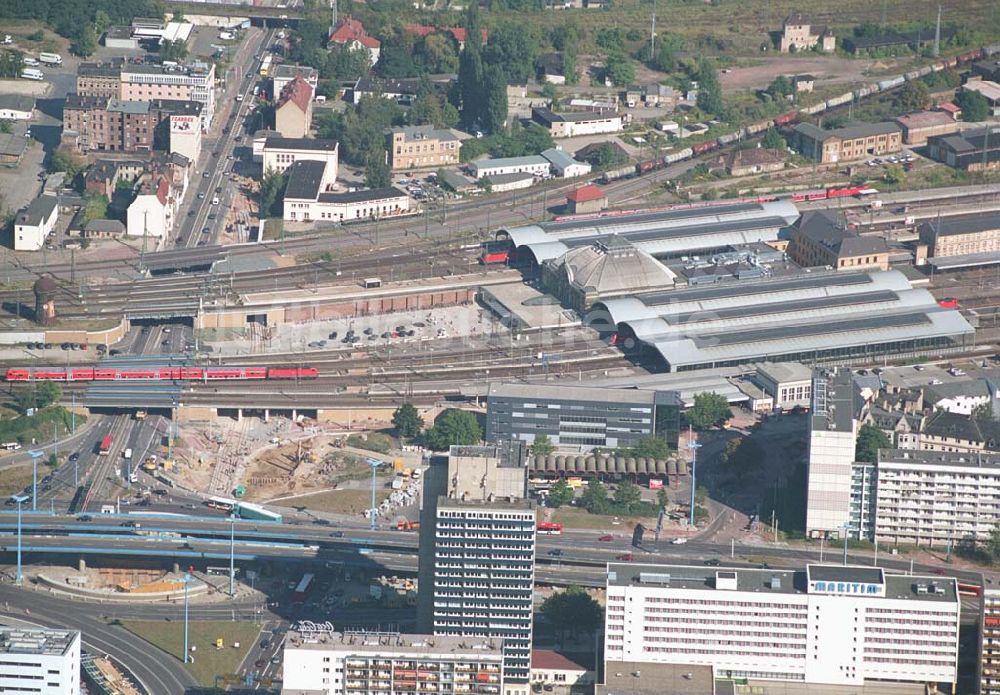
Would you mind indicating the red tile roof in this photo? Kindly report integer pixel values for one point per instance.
(586, 193)
(350, 30)
(457, 32)
(163, 190)
(553, 661)
(949, 107)
(297, 91)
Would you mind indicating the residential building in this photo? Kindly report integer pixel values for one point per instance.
(350, 32)
(501, 183)
(283, 73)
(280, 153)
(99, 79)
(919, 126)
(989, 643)
(798, 34)
(293, 110)
(35, 222)
(577, 418)
(788, 383)
(568, 125)
(16, 107)
(946, 431)
(422, 147)
(563, 165)
(989, 90)
(536, 165)
(103, 229)
(836, 409)
(660, 95)
(194, 82)
(586, 199)
(849, 143)
(825, 625)
(971, 150)
(820, 238)
(457, 33)
(151, 214)
(758, 160)
(310, 198)
(936, 498)
(477, 553)
(115, 125)
(43, 661)
(549, 667)
(323, 662)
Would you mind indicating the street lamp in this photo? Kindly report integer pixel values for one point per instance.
(19, 500)
(374, 463)
(232, 556)
(845, 528)
(693, 445)
(186, 580)
(35, 455)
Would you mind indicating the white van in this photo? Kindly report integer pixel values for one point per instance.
(215, 200)
(50, 58)
(320, 99)
(32, 74)
(127, 454)
(29, 61)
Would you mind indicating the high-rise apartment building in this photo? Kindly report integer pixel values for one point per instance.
(989, 644)
(46, 662)
(376, 663)
(477, 553)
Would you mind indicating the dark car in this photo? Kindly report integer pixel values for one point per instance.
(386, 334)
(322, 522)
(114, 351)
(202, 243)
(625, 557)
(556, 552)
(216, 153)
(606, 537)
(264, 644)
(206, 230)
(225, 131)
(74, 457)
(101, 347)
(337, 534)
(213, 216)
(84, 517)
(368, 331)
(714, 562)
(333, 335)
(46, 346)
(260, 663)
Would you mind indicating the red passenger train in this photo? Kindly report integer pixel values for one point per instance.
(161, 373)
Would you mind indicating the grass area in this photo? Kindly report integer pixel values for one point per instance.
(14, 479)
(42, 426)
(209, 662)
(272, 229)
(572, 517)
(338, 501)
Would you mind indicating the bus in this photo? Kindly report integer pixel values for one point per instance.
(265, 65)
(223, 503)
(104, 448)
(303, 588)
(965, 589)
(547, 528)
(246, 510)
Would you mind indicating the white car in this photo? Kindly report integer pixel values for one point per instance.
(679, 541)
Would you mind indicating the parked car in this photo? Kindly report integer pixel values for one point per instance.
(606, 537)
(625, 557)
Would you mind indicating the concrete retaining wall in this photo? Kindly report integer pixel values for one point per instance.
(98, 595)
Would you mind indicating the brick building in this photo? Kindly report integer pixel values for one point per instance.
(919, 126)
(113, 125)
(847, 144)
(99, 79)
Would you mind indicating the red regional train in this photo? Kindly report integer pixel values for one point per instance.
(161, 373)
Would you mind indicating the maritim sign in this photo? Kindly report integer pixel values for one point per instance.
(847, 588)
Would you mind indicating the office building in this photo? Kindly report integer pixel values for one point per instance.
(825, 625)
(477, 553)
(46, 662)
(422, 147)
(936, 498)
(280, 153)
(849, 143)
(309, 197)
(324, 662)
(788, 383)
(833, 430)
(989, 644)
(581, 418)
(194, 82)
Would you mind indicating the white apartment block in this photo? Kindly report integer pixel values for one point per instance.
(825, 625)
(280, 153)
(144, 82)
(319, 660)
(989, 644)
(46, 662)
(833, 434)
(936, 498)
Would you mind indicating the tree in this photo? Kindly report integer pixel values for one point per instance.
(709, 89)
(628, 496)
(572, 611)
(595, 498)
(621, 70)
(542, 446)
(454, 427)
(560, 494)
(742, 457)
(47, 393)
(973, 104)
(513, 48)
(86, 42)
(779, 88)
(438, 53)
(173, 50)
(272, 194)
(345, 62)
(95, 207)
(407, 421)
(662, 498)
(377, 171)
(773, 139)
(651, 447)
(494, 109)
(983, 411)
(870, 440)
(102, 21)
(667, 47)
(709, 410)
(5, 126)
(914, 96)
(894, 174)
(470, 69)
(64, 160)
(607, 155)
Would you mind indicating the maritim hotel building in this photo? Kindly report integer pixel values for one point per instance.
(825, 625)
